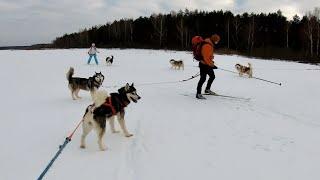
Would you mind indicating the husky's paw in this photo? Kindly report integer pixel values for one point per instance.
(82, 146)
(129, 135)
(103, 148)
(114, 131)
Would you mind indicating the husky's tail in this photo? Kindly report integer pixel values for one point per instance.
(70, 74)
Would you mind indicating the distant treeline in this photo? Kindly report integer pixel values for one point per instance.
(32, 47)
(257, 35)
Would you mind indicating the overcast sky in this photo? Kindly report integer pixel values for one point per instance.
(26, 22)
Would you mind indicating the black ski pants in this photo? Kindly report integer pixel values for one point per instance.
(204, 71)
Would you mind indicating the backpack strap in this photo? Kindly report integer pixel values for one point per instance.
(205, 42)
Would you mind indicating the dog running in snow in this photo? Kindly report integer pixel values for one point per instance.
(105, 108)
(109, 60)
(176, 64)
(91, 84)
(244, 69)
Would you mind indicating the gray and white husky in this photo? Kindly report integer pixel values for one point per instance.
(91, 84)
(176, 64)
(244, 69)
(105, 108)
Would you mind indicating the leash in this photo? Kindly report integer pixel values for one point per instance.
(155, 83)
(228, 70)
(253, 77)
(61, 147)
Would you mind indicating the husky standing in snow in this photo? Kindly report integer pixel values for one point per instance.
(244, 69)
(176, 64)
(91, 84)
(105, 108)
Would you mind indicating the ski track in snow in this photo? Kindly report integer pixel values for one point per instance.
(273, 135)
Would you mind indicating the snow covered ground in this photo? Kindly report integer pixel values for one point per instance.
(273, 136)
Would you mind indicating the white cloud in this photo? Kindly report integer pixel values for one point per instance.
(290, 10)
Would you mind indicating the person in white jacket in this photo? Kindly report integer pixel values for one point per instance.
(93, 53)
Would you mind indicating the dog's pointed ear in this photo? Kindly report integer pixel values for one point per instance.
(127, 86)
(132, 84)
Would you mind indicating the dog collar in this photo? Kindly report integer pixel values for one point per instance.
(123, 104)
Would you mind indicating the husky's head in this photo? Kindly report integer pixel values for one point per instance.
(238, 66)
(130, 92)
(99, 77)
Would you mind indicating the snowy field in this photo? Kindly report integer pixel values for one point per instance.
(273, 136)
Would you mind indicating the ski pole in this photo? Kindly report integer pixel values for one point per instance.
(267, 81)
(252, 77)
(192, 77)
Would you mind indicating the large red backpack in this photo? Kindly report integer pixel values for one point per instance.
(197, 43)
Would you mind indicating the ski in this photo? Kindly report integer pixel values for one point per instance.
(227, 96)
(222, 96)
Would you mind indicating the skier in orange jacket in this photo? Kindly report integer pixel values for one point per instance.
(206, 65)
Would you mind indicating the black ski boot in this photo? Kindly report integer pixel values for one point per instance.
(208, 91)
(199, 96)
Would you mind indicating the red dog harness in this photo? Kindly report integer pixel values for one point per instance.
(108, 103)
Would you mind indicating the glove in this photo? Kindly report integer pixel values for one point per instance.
(214, 67)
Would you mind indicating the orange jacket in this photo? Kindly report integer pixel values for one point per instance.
(207, 53)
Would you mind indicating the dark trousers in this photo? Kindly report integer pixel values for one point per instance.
(204, 71)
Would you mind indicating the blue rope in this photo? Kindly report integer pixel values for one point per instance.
(61, 147)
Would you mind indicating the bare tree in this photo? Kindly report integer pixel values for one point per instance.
(131, 29)
(310, 26)
(84, 39)
(187, 37)
(158, 22)
(251, 34)
(288, 24)
(228, 31)
(181, 28)
(228, 16)
(236, 24)
(316, 13)
(114, 30)
(125, 29)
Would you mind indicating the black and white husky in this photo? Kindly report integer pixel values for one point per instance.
(105, 108)
(88, 84)
(109, 60)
